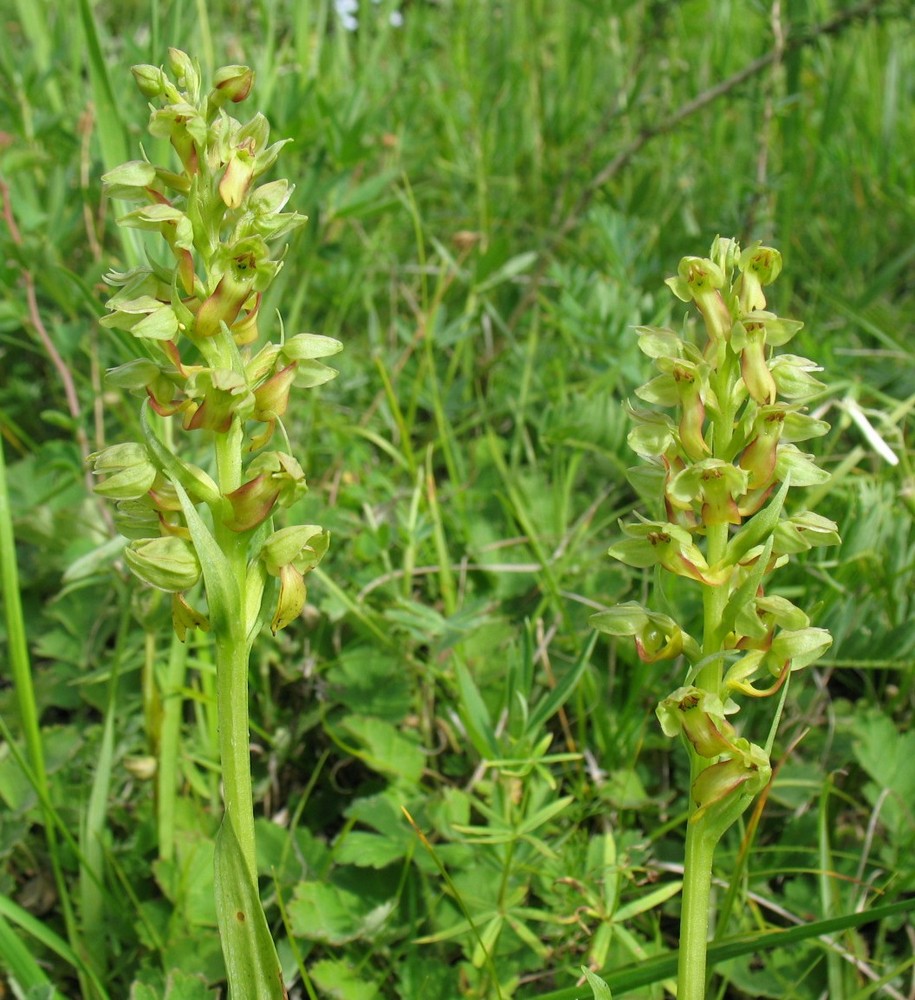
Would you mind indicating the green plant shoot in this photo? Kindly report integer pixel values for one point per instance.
(717, 472)
(197, 495)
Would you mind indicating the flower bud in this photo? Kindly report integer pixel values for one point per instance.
(186, 73)
(230, 83)
(168, 564)
(151, 80)
(128, 468)
(239, 174)
(718, 785)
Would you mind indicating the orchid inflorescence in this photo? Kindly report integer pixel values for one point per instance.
(719, 448)
(720, 453)
(198, 317)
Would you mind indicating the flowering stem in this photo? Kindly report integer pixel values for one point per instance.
(232, 694)
(232, 662)
(694, 915)
(722, 469)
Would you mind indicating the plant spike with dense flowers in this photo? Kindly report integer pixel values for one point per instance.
(197, 315)
(717, 472)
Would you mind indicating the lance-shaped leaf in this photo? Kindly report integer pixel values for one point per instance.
(758, 528)
(252, 967)
(223, 596)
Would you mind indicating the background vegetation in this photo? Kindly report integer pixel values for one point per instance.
(496, 191)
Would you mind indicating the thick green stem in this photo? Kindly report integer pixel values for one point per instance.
(232, 664)
(694, 916)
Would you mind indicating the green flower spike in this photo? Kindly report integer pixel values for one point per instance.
(197, 317)
(720, 468)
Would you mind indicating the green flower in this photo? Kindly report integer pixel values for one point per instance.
(168, 563)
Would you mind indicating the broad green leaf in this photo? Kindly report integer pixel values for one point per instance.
(342, 982)
(322, 911)
(368, 850)
(252, 966)
(386, 749)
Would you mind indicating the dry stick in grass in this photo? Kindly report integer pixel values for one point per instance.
(60, 366)
(649, 132)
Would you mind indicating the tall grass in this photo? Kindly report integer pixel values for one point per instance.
(494, 190)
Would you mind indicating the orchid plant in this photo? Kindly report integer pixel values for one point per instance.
(196, 497)
(719, 450)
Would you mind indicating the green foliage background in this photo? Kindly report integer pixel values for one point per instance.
(496, 191)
